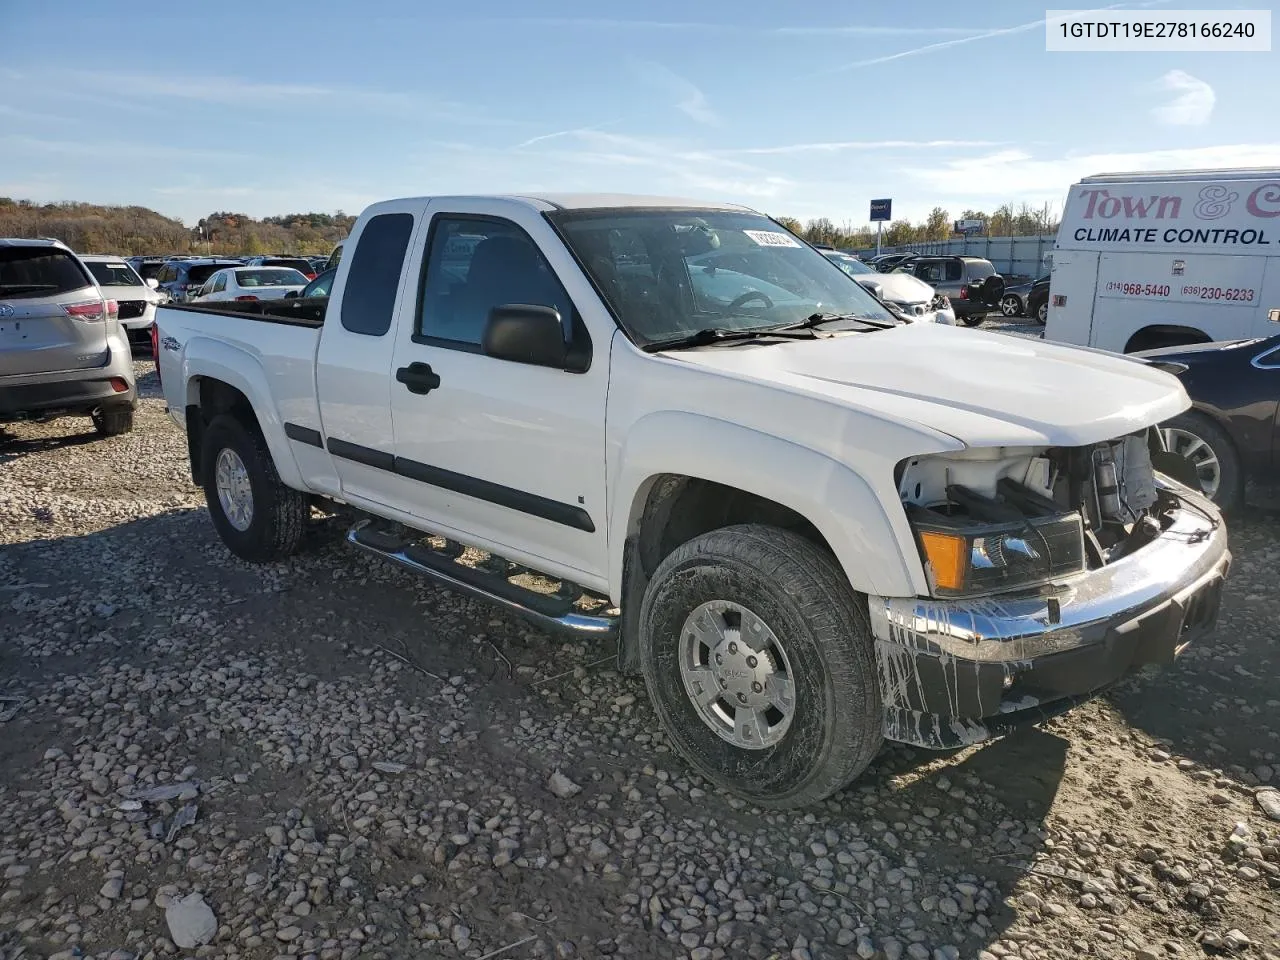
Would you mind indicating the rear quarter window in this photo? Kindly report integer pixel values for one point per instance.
(369, 298)
(980, 269)
(29, 272)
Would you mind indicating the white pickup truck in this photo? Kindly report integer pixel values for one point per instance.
(808, 525)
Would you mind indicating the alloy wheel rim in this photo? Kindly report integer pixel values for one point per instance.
(1200, 453)
(235, 493)
(1009, 307)
(737, 675)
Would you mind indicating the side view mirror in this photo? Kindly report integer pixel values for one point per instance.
(153, 283)
(873, 288)
(290, 294)
(525, 333)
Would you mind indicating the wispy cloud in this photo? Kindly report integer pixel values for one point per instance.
(557, 134)
(590, 158)
(32, 115)
(867, 30)
(689, 99)
(1192, 100)
(695, 26)
(250, 95)
(840, 146)
(985, 35)
(1017, 174)
(108, 151)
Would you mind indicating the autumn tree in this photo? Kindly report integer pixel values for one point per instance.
(900, 232)
(937, 225)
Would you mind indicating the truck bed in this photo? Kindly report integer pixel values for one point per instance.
(271, 344)
(297, 311)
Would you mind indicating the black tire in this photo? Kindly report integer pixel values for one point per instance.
(279, 513)
(973, 319)
(800, 592)
(112, 423)
(1230, 492)
(1010, 305)
(1042, 313)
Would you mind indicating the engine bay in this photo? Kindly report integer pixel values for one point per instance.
(1002, 518)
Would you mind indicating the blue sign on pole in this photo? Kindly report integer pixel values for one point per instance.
(881, 210)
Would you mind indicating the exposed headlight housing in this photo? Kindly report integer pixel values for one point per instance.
(969, 558)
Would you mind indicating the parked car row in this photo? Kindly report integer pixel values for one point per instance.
(910, 298)
(1027, 299)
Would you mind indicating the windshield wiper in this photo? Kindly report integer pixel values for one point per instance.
(818, 319)
(710, 335)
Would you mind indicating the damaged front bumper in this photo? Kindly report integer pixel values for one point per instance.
(956, 672)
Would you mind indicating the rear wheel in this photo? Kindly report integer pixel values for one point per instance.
(1199, 439)
(256, 515)
(112, 423)
(973, 319)
(759, 660)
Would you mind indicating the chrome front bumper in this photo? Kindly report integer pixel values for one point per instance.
(959, 671)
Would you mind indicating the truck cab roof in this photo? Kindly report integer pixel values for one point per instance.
(1165, 176)
(588, 201)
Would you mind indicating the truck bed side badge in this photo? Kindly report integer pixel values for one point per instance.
(169, 343)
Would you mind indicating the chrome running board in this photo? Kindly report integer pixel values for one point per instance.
(557, 612)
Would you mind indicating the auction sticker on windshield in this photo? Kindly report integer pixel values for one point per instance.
(768, 238)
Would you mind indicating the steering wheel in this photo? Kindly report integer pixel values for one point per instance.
(746, 298)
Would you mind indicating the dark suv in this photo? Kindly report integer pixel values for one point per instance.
(971, 283)
(180, 279)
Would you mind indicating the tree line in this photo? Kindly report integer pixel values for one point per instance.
(126, 231)
(91, 228)
(1004, 221)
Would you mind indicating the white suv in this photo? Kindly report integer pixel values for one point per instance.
(135, 297)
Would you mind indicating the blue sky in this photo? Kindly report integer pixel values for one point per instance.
(279, 107)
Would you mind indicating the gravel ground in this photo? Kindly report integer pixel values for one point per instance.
(328, 758)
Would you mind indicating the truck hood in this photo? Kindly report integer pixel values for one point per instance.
(983, 389)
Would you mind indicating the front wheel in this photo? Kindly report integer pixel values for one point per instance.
(1206, 445)
(1042, 312)
(1011, 306)
(973, 319)
(759, 660)
(256, 515)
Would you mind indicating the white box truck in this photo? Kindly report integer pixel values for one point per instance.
(1147, 260)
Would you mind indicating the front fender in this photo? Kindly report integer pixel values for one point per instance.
(206, 357)
(840, 503)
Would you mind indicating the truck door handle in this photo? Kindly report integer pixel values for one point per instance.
(418, 377)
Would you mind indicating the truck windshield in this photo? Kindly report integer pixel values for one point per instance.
(666, 273)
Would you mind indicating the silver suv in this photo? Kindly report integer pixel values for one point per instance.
(62, 349)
